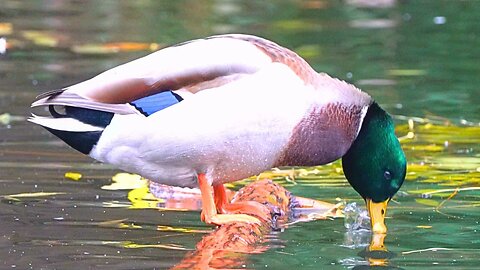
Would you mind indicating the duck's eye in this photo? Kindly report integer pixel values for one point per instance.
(387, 175)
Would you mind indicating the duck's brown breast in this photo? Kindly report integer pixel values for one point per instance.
(322, 136)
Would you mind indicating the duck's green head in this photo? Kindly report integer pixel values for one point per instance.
(375, 164)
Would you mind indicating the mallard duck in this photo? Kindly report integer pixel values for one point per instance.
(219, 109)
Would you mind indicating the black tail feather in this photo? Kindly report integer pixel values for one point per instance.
(81, 141)
(89, 116)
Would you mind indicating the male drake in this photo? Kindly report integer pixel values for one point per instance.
(220, 109)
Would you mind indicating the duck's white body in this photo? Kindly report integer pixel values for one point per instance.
(228, 133)
(248, 105)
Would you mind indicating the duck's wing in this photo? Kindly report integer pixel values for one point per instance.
(187, 67)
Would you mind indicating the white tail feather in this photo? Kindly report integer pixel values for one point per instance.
(64, 124)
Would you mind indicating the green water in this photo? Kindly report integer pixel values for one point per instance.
(416, 58)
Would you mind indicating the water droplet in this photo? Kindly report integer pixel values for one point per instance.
(356, 218)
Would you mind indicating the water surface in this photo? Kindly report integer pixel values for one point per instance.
(418, 59)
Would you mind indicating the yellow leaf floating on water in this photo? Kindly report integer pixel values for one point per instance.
(126, 181)
(129, 226)
(31, 195)
(424, 226)
(73, 176)
(141, 198)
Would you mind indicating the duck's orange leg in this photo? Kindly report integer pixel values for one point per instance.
(209, 209)
(221, 198)
(224, 206)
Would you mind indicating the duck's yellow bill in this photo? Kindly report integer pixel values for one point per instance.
(377, 212)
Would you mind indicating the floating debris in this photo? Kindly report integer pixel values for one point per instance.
(73, 176)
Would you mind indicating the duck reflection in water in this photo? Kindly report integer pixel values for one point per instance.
(230, 244)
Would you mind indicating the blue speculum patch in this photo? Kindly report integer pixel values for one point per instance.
(154, 103)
